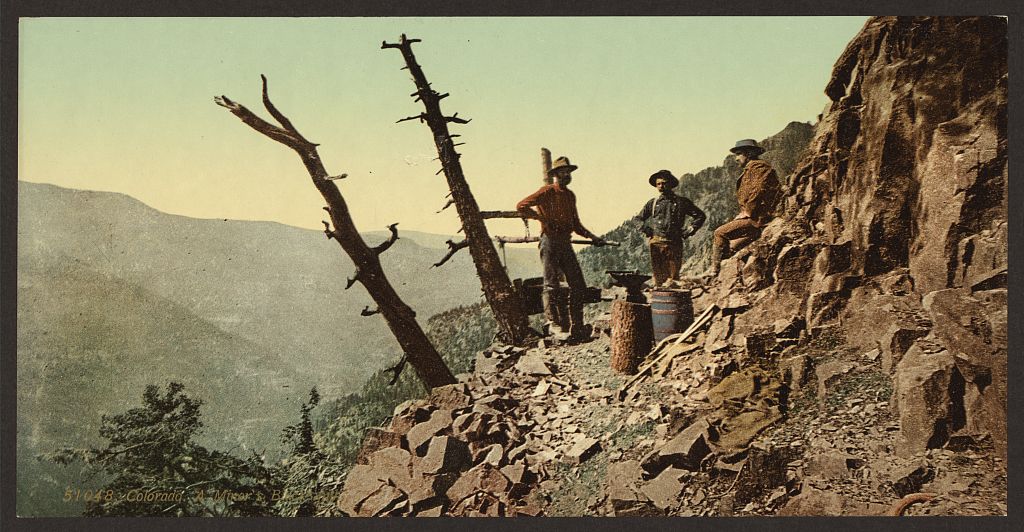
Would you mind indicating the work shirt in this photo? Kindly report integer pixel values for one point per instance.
(556, 209)
(758, 191)
(664, 217)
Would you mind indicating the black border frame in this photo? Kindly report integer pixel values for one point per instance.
(13, 10)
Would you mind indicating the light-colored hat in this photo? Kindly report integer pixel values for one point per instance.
(747, 145)
(561, 162)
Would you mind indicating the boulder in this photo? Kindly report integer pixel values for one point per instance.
(445, 454)
(815, 502)
(377, 438)
(583, 448)
(765, 469)
(928, 395)
(831, 464)
(665, 490)
(623, 489)
(736, 432)
(895, 342)
(383, 501)
(910, 478)
(793, 267)
(532, 364)
(361, 482)
(973, 329)
(758, 345)
(481, 478)
(685, 450)
(421, 433)
(451, 397)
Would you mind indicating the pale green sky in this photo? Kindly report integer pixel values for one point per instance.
(126, 105)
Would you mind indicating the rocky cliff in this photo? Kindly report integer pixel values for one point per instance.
(855, 358)
(895, 225)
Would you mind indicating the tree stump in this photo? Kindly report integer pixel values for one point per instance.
(632, 335)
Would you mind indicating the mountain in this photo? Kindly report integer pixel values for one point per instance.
(114, 295)
(713, 189)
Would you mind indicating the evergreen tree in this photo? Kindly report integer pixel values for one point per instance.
(158, 470)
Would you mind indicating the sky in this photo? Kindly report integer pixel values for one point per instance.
(126, 105)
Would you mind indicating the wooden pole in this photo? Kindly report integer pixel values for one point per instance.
(632, 335)
(545, 163)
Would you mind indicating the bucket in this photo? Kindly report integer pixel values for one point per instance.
(671, 312)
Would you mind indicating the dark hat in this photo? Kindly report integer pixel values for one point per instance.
(561, 162)
(747, 145)
(664, 174)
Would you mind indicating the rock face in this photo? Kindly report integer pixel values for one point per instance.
(910, 161)
(894, 225)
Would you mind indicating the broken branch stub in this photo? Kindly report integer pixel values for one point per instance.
(401, 319)
(453, 248)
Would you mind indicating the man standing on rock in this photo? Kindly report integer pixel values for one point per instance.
(663, 220)
(556, 209)
(757, 192)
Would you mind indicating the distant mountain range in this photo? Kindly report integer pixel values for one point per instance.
(114, 295)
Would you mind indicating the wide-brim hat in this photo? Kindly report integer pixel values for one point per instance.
(664, 174)
(747, 145)
(561, 162)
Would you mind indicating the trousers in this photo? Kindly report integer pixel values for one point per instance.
(666, 259)
(558, 258)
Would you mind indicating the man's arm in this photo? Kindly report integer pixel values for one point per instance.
(692, 210)
(527, 203)
(641, 218)
(577, 225)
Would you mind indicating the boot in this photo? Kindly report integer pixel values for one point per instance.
(548, 300)
(717, 256)
(578, 331)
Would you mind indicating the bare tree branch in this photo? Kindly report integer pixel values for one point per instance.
(449, 203)
(455, 118)
(453, 247)
(367, 312)
(421, 117)
(382, 247)
(327, 229)
(397, 370)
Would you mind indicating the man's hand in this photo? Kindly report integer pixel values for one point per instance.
(598, 241)
(688, 232)
(742, 215)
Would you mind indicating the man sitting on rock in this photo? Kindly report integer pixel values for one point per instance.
(757, 192)
(663, 220)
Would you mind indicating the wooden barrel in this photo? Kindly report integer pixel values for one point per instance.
(671, 312)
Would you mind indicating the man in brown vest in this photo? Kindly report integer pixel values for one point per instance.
(757, 192)
(556, 209)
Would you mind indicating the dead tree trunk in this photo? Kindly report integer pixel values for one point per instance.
(401, 319)
(497, 287)
(632, 334)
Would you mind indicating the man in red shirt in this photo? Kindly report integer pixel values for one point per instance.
(555, 207)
